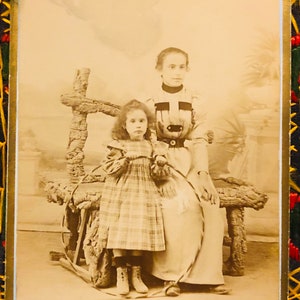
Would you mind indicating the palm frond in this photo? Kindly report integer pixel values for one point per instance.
(262, 64)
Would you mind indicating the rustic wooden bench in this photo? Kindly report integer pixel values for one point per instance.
(81, 198)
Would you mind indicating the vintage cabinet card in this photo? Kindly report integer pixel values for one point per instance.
(81, 204)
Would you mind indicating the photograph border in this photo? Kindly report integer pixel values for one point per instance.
(12, 160)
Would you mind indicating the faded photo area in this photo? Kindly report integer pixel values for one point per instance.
(192, 211)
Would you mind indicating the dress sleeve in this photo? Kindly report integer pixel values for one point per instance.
(160, 148)
(200, 132)
(151, 106)
(115, 163)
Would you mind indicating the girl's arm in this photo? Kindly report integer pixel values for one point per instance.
(115, 162)
(201, 130)
(201, 136)
(162, 175)
(199, 175)
(160, 169)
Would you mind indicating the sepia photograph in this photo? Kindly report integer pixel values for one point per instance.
(149, 150)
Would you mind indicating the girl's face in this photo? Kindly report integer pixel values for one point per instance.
(173, 69)
(136, 124)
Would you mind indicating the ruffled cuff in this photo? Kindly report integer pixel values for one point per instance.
(160, 172)
(116, 167)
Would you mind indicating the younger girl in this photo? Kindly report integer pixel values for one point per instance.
(130, 210)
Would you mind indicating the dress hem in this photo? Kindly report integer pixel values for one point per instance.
(189, 281)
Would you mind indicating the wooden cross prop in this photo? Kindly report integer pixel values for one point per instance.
(81, 107)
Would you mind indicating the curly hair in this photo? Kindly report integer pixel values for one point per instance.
(119, 131)
(161, 56)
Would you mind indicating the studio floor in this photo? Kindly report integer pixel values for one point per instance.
(37, 277)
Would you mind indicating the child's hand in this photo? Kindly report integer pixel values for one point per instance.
(160, 160)
(160, 170)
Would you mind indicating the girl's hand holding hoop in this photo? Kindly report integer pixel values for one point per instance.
(206, 188)
(160, 160)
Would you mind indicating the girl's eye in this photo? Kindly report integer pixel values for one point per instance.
(172, 66)
(182, 66)
(142, 120)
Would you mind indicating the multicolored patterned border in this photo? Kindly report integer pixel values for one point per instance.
(294, 241)
(4, 94)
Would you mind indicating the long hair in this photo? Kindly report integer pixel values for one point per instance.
(119, 131)
(161, 56)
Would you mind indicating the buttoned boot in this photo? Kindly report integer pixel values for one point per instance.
(122, 281)
(136, 280)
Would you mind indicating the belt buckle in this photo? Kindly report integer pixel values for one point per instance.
(172, 143)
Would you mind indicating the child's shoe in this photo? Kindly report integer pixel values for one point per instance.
(122, 281)
(137, 281)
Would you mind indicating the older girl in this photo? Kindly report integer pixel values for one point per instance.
(191, 256)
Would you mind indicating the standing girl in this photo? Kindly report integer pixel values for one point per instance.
(191, 256)
(130, 211)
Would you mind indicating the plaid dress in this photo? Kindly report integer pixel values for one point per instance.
(130, 207)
